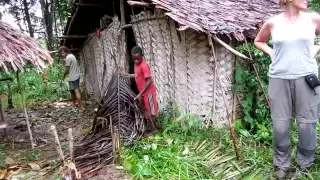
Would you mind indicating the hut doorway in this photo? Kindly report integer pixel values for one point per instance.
(131, 42)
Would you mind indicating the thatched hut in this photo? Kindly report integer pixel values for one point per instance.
(17, 48)
(190, 67)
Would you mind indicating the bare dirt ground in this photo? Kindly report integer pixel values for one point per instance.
(17, 147)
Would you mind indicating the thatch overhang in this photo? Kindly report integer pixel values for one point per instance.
(17, 48)
(236, 18)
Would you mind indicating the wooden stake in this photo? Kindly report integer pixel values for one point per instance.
(57, 143)
(25, 110)
(71, 144)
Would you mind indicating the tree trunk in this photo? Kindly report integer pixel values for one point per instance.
(48, 21)
(10, 102)
(27, 15)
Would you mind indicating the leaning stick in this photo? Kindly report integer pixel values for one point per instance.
(57, 143)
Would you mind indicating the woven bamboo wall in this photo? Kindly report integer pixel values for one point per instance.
(101, 55)
(182, 67)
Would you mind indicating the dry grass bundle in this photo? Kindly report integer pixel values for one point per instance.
(16, 48)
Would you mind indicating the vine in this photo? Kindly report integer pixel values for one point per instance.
(256, 120)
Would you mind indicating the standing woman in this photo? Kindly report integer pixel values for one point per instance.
(293, 33)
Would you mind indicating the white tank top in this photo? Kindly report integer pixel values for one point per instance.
(292, 46)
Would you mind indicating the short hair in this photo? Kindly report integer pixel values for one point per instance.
(65, 49)
(137, 50)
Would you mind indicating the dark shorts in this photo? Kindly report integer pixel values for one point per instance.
(74, 84)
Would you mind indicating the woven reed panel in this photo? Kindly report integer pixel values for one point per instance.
(153, 36)
(101, 54)
(199, 73)
(180, 80)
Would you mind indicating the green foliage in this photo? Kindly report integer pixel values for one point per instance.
(31, 155)
(33, 86)
(256, 120)
(186, 150)
(2, 163)
(314, 5)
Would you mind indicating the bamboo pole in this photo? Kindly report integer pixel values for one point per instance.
(233, 137)
(25, 110)
(214, 76)
(57, 143)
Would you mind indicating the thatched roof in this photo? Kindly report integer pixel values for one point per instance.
(237, 18)
(16, 48)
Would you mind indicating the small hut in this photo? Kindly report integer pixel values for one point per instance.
(17, 49)
(185, 42)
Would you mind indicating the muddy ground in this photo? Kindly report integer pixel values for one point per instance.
(17, 146)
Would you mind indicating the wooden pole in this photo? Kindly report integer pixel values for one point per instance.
(57, 143)
(214, 76)
(140, 4)
(71, 144)
(3, 124)
(25, 109)
(233, 137)
(71, 21)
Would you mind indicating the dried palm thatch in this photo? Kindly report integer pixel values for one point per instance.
(16, 48)
(230, 17)
(117, 109)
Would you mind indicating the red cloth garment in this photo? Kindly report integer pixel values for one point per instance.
(142, 71)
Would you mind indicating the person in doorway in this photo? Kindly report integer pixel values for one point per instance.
(146, 87)
(293, 33)
(72, 73)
